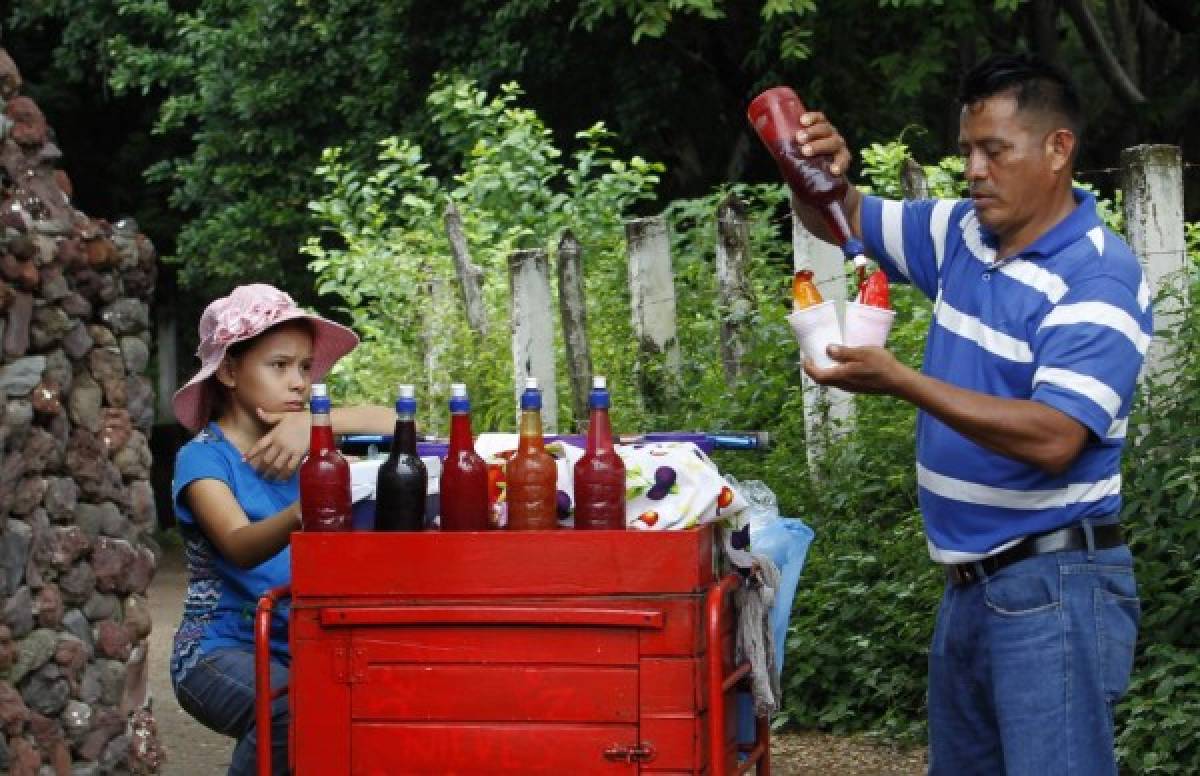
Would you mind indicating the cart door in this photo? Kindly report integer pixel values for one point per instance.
(494, 689)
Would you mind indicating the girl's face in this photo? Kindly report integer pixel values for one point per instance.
(274, 373)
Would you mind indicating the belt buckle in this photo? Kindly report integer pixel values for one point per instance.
(962, 573)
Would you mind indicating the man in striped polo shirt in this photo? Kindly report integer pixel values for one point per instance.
(1041, 323)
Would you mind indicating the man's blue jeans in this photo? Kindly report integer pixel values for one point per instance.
(219, 692)
(1026, 665)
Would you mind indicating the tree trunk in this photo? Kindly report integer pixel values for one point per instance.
(470, 277)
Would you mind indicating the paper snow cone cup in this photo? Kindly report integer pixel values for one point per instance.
(867, 324)
(816, 328)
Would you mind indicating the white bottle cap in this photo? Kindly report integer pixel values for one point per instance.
(318, 389)
(599, 381)
(531, 383)
(406, 391)
(458, 390)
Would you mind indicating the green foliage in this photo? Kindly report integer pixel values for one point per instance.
(244, 93)
(385, 252)
(1161, 490)
(650, 17)
(259, 85)
(248, 92)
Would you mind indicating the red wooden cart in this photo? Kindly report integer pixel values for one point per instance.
(550, 652)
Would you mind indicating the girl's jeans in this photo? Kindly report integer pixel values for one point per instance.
(1026, 665)
(219, 692)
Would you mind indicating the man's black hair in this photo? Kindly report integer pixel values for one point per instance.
(1036, 84)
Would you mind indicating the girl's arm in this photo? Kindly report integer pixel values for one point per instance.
(363, 419)
(224, 522)
(279, 452)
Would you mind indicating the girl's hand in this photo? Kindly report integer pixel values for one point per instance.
(279, 453)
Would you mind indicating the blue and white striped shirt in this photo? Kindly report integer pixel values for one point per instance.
(1065, 322)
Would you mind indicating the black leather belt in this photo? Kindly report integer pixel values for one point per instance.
(1071, 537)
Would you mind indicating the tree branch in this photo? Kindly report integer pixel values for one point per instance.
(1122, 26)
(1102, 53)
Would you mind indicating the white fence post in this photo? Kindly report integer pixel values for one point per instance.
(912, 180)
(434, 340)
(826, 410)
(572, 307)
(532, 318)
(733, 285)
(1152, 179)
(652, 292)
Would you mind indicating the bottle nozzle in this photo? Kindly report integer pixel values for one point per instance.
(531, 399)
(318, 399)
(853, 250)
(406, 402)
(458, 398)
(598, 398)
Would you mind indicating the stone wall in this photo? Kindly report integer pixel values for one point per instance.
(76, 506)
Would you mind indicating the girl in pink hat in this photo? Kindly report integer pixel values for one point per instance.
(236, 497)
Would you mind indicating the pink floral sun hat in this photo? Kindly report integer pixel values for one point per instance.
(247, 312)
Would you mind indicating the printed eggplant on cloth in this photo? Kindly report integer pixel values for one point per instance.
(674, 485)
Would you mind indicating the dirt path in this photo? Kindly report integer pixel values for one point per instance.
(193, 750)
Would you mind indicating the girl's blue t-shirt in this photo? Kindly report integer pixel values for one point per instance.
(221, 598)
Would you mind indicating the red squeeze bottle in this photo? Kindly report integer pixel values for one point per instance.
(464, 481)
(874, 291)
(324, 475)
(532, 475)
(600, 473)
(775, 115)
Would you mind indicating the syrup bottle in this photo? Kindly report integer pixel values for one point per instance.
(402, 481)
(324, 476)
(532, 475)
(464, 481)
(600, 473)
(775, 115)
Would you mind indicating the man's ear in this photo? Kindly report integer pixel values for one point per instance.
(225, 374)
(1060, 147)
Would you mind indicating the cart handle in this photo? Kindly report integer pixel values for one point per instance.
(491, 615)
(758, 755)
(263, 695)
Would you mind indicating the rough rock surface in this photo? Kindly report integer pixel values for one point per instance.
(76, 505)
